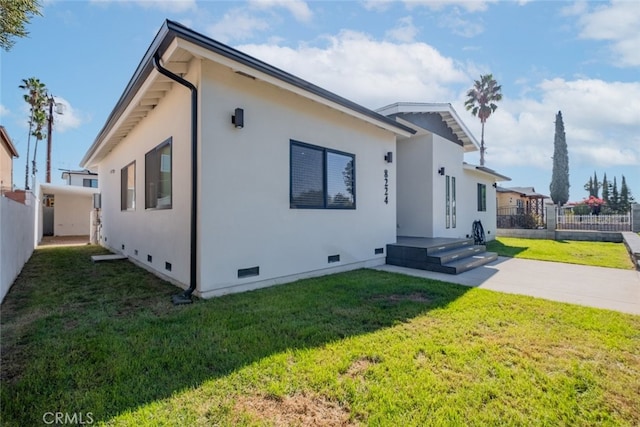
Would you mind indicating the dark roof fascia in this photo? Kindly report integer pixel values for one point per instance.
(242, 58)
(170, 30)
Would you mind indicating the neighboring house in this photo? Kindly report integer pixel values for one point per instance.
(223, 173)
(521, 207)
(81, 178)
(7, 154)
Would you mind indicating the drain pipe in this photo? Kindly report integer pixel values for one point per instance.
(185, 297)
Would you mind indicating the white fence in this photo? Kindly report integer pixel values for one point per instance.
(595, 222)
(16, 239)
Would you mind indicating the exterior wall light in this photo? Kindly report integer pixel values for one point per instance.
(388, 157)
(441, 171)
(238, 118)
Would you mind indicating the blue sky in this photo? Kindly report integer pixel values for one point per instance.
(578, 57)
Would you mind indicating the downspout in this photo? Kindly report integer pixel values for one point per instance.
(185, 297)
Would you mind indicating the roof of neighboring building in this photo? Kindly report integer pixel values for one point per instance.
(176, 45)
(446, 112)
(524, 191)
(78, 172)
(4, 136)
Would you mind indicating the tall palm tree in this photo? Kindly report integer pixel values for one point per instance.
(36, 97)
(481, 99)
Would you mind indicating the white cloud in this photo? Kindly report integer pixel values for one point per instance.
(617, 23)
(601, 122)
(69, 119)
(460, 26)
(370, 72)
(4, 111)
(236, 24)
(298, 8)
(404, 31)
(468, 5)
(377, 5)
(173, 6)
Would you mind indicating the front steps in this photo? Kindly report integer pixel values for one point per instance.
(451, 256)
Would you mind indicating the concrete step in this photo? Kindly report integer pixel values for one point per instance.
(466, 264)
(457, 253)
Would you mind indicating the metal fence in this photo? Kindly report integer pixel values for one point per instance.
(594, 222)
(515, 217)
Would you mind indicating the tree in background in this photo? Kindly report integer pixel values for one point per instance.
(605, 189)
(481, 99)
(14, 15)
(626, 199)
(36, 97)
(559, 187)
(614, 197)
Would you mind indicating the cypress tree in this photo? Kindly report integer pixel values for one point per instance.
(559, 187)
(614, 198)
(624, 205)
(596, 186)
(605, 190)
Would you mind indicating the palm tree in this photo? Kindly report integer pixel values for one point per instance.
(36, 97)
(481, 102)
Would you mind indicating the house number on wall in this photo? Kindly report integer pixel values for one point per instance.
(386, 186)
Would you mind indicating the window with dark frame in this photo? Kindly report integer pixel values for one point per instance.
(92, 183)
(453, 202)
(482, 198)
(128, 187)
(321, 178)
(158, 170)
(447, 181)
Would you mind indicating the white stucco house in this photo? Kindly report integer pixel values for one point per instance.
(80, 178)
(222, 173)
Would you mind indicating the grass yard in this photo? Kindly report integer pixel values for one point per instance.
(600, 254)
(103, 342)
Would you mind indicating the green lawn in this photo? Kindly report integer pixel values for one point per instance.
(359, 348)
(601, 254)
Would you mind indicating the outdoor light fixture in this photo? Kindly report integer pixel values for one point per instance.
(238, 118)
(495, 185)
(441, 170)
(388, 157)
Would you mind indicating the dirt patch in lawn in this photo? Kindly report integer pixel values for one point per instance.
(361, 365)
(297, 410)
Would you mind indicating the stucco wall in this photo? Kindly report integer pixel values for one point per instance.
(415, 179)
(162, 234)
(246, 219)
(6, 169)
(71, 214)
(450, 156)
(469, 196)
(16, 239)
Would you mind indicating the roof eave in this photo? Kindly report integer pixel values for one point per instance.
(171, 30)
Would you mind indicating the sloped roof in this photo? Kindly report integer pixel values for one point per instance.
(4, 136)
(524, 191)
(446, 112)
(489, 171)
(177, 45)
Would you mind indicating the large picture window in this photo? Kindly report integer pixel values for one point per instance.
(482, 198)
(158, 177)
(321, 178)
(128, 187)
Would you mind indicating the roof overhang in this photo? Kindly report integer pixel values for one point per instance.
(177, 45)
(446, 112)
(67, 190)
(7, 141)
(485, 170)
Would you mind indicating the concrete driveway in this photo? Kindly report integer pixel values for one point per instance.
(609, 288)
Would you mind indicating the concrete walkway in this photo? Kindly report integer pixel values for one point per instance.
(609, 288)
